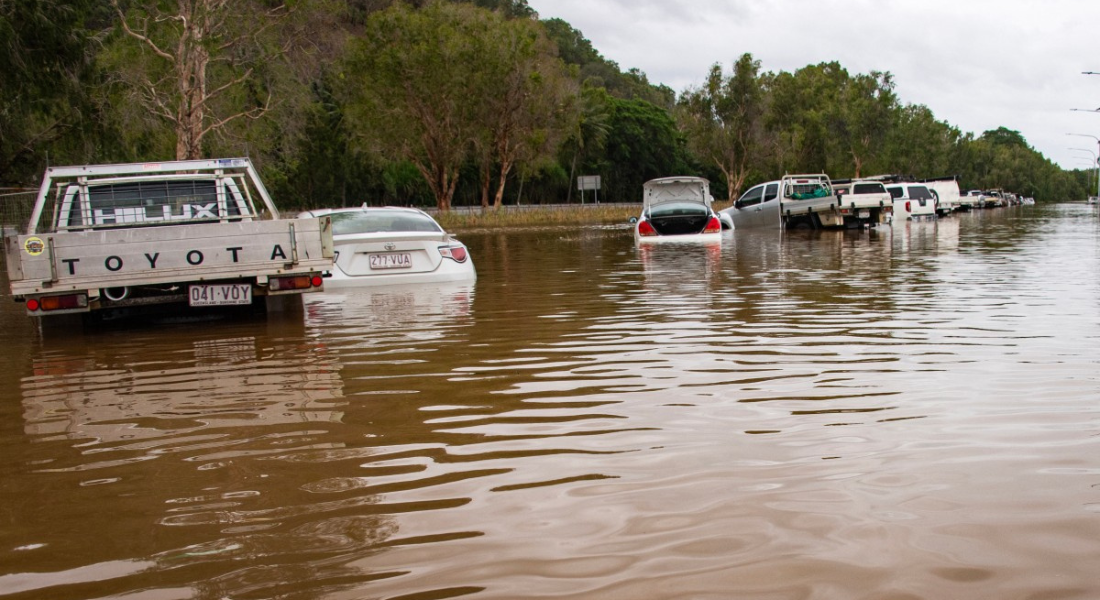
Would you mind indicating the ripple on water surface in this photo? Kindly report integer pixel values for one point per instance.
(907, 412)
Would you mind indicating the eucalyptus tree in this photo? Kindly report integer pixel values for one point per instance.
(449, 83)
(918, 144)
(526, 100)
(411, 90)
(863, 116)
(722, 120)
(801, 106)
(203, 66)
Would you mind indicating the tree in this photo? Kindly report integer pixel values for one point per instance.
(642, 143)
(589, 130)
(448, 82)
(201, 65)
(864, 115)
(410, 91)
(45, 50)
(527, 99)
(722, 120)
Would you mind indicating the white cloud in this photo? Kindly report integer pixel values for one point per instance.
(977, 65)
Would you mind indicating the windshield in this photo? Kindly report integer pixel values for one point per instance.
(376, 221)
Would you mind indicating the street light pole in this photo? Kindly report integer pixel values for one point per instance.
(1094, 165)
(1098, 164)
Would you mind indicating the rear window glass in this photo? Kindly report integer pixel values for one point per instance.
(895, 192)
(919, 192)
(152, 201)
(807, 190)
(868, 188)
(678, 209)
(378, 221)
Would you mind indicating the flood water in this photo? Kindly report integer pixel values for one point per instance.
(906, 413)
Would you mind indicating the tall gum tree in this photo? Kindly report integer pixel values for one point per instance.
(409, 94)
(450, 82)
(528, 103)
(722, 119)
(201, 65)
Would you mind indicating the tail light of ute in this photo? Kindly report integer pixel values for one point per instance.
(295, 282)
(455, 253)
(645, 229)
(908, 206)
(713, 226)
(50, 303)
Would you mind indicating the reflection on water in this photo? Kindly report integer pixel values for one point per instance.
(904, 412)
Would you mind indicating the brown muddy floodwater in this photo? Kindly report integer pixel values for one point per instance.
(897, 414)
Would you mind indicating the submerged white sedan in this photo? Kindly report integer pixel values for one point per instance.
(677, 209)
(392, 245)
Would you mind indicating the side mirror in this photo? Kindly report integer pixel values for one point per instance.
(738, 205)
(633, 220)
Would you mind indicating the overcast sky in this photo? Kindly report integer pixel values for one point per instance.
(977, 64)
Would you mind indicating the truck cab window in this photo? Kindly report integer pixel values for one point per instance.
(751, 197)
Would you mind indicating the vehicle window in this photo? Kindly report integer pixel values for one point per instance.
(376, 221)
(771, 191)
(919, 192)
(151, 201)
(868, 188)
(678, 209)
(807, 190)
(751, 197)
(895, 192)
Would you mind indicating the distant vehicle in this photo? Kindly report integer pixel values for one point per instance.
(677, 209)
(122, 239)
(946, 191)
(793, 201)
(863, 203)
(392, 245)
(993, 199)
(972, 199)
(912, 201)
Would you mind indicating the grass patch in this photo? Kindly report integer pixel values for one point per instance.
(537, 216)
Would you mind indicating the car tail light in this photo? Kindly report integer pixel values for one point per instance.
(455, 253)
(48, 303)
(294, 282)
(646, 230)
(713, 226)
(908, 206)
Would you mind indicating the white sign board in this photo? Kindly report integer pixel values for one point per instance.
(588, 182)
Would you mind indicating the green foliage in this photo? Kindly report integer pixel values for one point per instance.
(642, 144)
(596, 71)
(45, 106)
(420, 106)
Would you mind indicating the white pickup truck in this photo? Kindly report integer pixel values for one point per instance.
(126, 237)
(863, 203)
(791, 202)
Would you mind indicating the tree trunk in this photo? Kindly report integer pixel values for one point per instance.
(505, 168)
(486, 181)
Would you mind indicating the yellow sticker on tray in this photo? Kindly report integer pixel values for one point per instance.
(34, 246)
